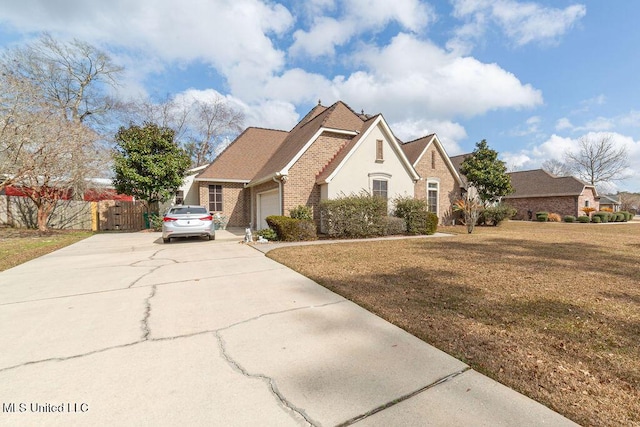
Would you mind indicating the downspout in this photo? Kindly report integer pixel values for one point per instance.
(279, 178)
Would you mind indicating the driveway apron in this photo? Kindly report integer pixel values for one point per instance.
(120, 329)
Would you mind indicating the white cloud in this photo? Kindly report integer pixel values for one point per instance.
(431, 83)
(449, 133)
(360, 16)
(523, 23)
(563, 124)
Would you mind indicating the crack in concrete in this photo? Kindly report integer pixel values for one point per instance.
(394, 402)
(270, 382)
(65, 358)
(146, 331)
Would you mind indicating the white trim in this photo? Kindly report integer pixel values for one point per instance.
(238, 181)
(434, 180)
(394, 143)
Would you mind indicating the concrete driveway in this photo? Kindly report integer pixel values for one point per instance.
(120, 329)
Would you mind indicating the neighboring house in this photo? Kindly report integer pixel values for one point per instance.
(331, 152)
(187, 194)
(610, 201)
(538, 190)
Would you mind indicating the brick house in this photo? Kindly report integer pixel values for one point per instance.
(332, 151)
(538, 190)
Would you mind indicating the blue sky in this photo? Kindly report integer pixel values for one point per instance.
(531, 77)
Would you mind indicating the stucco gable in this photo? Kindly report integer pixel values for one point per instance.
(342, 158)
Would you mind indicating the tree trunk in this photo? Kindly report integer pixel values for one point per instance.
(44, 211)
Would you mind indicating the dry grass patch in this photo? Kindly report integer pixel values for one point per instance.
(551, 310)
(21, 245)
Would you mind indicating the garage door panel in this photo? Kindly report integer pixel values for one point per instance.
(268, 204)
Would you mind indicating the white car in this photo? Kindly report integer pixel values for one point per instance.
(187, 221)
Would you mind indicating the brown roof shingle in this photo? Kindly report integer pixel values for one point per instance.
(246, 155)
(338, 116)
(540, 183)
(413, 149)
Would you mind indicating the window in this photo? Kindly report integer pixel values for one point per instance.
(379, 152)
(215, 198)
(179, 197)
(586, 203)
(432, 197)
(380, 188)
(433, 160)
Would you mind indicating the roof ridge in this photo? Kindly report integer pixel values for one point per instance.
(418, 139)
(263, 128)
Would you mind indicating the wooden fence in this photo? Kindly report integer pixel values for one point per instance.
(105, 215)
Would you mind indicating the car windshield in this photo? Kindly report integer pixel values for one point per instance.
(188, 210)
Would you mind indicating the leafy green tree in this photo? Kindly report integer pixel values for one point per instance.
(148, 164)
(486, 173)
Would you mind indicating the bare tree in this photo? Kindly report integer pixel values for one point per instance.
(598, 160)
(214, 121)
(49, 91)
(556, 167)
(201, 126)
(72, 76)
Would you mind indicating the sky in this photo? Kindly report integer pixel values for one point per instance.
(530, 77)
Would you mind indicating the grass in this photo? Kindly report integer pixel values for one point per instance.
(549, 309)
(18, 246)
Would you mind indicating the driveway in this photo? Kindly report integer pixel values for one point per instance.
(120, 329)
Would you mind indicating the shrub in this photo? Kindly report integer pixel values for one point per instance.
(432, 223)
(415, 214)
(267, 233)
(356, 216)
(497, 214)
(302, 212)
(627, 215)
(291, 229)
(571, 218)
(554, 217)
(604, 216)
(597, 219)
(620, 217)
(583, 219)
(542, 216)
(395, 225)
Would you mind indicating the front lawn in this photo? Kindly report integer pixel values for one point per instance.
(19, 245)
(549, 309)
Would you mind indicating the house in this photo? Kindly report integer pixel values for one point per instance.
(538, 190)
(187, 193)
(332, 151)
(610, 201)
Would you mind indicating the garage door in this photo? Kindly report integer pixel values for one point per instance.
(268, 204)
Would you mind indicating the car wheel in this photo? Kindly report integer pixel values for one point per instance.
(212, 237)
(167, 240)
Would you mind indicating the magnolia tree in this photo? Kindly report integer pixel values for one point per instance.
(148, 164)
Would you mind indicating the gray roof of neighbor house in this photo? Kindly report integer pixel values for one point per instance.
(609, 199)
(245, 155)
(540, 183)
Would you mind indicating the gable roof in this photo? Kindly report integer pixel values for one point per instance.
(540, 183)
(244, 156)
(341, 156)
(414, 150)
(338, 118)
